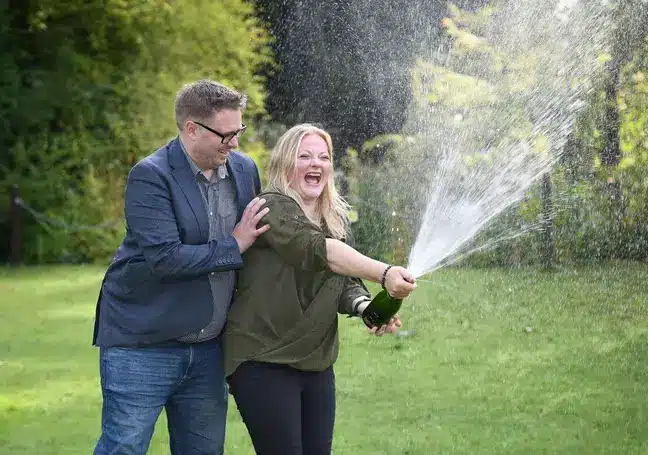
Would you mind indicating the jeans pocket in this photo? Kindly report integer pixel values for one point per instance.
(141, 371)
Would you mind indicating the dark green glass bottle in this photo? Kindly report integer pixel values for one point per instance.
(381, 309)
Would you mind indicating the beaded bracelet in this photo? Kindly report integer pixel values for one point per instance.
(384, 275)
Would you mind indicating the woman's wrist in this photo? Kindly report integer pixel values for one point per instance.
(384, 276)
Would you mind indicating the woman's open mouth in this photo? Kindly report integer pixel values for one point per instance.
(313, 178)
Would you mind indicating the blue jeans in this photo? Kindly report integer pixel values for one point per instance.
(187, 381)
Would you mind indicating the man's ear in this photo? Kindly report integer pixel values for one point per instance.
(191, 130)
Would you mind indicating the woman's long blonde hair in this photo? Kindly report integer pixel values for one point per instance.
(331, 209)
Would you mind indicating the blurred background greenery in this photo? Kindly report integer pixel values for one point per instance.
(88, 87)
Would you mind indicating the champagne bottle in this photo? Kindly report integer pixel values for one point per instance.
(381, 309)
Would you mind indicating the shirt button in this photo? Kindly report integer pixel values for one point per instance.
(212, 273)
(211, 213)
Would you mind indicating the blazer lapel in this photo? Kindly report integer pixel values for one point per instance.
(238, 175)
(187, 182)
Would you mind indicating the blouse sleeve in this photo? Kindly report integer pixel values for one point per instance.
(292, 235)
(353, 293)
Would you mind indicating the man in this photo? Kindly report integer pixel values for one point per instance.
(190, 212)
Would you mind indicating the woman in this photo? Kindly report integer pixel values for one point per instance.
(281, 338)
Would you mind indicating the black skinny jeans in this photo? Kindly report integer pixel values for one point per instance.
(286, 411)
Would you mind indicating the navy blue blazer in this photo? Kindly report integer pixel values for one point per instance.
(156, 287)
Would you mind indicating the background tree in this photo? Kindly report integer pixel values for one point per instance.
(88, 89)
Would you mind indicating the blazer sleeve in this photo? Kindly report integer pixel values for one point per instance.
(150, 217)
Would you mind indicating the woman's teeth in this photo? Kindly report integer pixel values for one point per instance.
(313, 177)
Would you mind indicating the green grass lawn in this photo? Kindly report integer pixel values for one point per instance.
(501, 362)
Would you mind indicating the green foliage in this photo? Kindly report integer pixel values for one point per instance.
(88, 90)
(607, 206)
(68, 193)
(632, 171)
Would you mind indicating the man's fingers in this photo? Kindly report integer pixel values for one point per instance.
(260, 215)
(260, 203)
(253, 207)
(254, 210)
(262, 229)
(251, 204)
(256, 201)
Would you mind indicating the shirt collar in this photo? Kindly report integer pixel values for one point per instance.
(220, 171)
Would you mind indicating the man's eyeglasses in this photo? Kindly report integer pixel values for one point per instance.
(227, 137)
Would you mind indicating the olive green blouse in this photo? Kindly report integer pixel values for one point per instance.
(286, 305)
